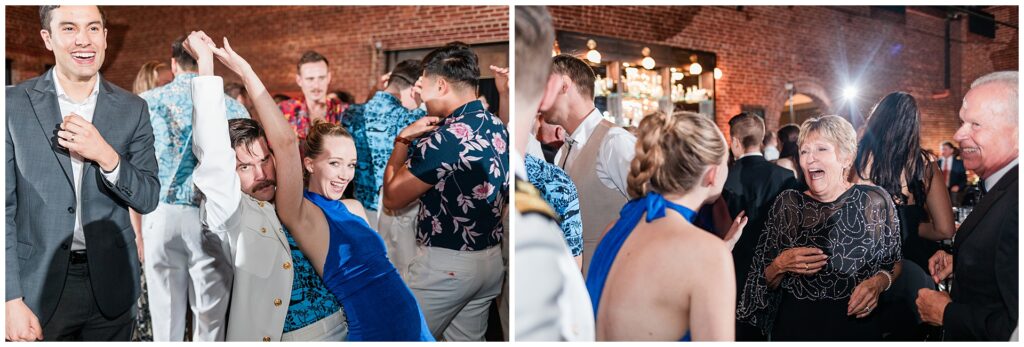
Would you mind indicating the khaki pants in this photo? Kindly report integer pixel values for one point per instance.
(398, 229)
(455, 289)
(331, 328)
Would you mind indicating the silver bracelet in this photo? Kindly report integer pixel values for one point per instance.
(888, 277)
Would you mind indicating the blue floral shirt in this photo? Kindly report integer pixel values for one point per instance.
(557, 189)
(466, 161)
(170, 113)
(373, 126)
(310, 300)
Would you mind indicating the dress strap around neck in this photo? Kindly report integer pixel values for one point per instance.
(655, 205)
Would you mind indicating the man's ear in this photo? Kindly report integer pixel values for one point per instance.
(443, 87)
(45, 34)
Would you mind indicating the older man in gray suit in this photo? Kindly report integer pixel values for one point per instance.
(79, 154)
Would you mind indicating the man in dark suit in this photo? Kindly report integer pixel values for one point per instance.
(752, 186)
(79, 154)
(982, 304)
(953, 171)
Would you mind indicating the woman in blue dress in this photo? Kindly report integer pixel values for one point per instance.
(656, 276)
(332, 233)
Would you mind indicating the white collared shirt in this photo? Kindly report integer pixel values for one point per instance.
(614, 156)
(992, 180)
(86, 109)
(947, 163)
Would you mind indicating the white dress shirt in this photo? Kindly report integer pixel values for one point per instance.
(994, 178)
(86, 108)
(614, 156)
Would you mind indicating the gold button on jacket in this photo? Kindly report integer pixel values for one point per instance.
(277, 302)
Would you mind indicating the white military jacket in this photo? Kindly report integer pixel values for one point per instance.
(258, 246)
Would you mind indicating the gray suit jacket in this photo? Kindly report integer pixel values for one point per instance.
(41, 198)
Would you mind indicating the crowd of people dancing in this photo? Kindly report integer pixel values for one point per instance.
(692, 233)
(238, 206)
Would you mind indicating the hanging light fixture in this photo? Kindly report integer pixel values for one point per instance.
(555, 50)
(593, 55)
(695, 68)
(718, 73)
(647, 62)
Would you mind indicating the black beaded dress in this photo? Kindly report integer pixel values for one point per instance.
(860, 233)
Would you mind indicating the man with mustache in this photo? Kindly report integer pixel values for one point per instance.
(276, 294)
(313, 75)
(982, 304)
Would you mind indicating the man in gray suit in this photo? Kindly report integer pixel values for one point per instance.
(79, 154)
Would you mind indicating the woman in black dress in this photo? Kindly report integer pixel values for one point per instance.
(889, 155)
(828, 252)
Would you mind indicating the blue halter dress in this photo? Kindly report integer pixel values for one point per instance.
(654, 205)
(379, 306)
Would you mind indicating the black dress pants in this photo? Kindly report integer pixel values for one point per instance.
(78, 317)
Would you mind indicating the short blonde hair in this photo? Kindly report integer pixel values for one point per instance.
(834, 129)
(672, 153)
(148, 76)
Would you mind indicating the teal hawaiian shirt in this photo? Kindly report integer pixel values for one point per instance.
(170, 113)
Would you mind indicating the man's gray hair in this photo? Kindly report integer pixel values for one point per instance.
(1009, 81)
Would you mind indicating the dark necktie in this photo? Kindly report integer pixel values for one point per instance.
(565, 157)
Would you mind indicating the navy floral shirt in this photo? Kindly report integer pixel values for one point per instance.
(466, 161)
(557, 189)
(373, 126)
(310, 300)
(170, 113)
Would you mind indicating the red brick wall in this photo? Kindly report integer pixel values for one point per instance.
(759, 48)
(271, 37)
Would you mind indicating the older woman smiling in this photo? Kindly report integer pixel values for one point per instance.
(827, 253)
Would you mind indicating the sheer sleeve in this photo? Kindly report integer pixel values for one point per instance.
(759, 304)
(882, 224)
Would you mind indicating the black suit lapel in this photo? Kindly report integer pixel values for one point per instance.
(44, 102)
(986, 203)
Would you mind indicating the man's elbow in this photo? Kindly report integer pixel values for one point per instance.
(392, 203)
(149, 202)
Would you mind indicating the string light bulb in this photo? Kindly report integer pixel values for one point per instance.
(647, 62)
(593, 55)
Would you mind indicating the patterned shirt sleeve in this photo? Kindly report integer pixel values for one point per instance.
(559, 191)
(434, 156)
(758, 303)
(408, 117)
(158, 120)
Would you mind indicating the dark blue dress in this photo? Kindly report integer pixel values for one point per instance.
(604, 257)
(379, 306)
